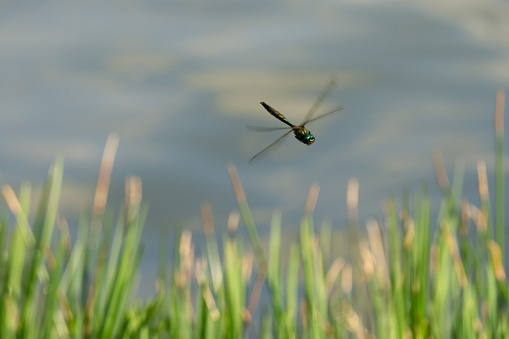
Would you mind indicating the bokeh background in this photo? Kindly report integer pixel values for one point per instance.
(179, 81)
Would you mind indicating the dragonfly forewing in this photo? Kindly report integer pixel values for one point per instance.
(339, 108)
(318, 102)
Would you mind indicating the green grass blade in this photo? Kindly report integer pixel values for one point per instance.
(248, 219)
(499, 170)
(292, 289)
(43, 225)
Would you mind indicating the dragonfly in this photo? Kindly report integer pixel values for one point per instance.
(300, 131)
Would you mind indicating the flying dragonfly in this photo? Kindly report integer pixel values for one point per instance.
(301, 132)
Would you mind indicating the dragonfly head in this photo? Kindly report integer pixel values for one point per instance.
(309, 139)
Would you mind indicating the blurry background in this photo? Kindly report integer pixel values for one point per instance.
(179, 83)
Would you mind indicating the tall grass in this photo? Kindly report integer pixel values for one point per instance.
(409, 275)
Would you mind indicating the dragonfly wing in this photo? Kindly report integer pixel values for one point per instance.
(280, 139)
(265, 129)
(339, 108)
(276, 114)
(318, 102)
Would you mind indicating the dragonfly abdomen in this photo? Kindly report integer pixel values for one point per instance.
(276, 114)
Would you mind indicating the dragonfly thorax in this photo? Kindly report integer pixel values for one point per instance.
(303, 135)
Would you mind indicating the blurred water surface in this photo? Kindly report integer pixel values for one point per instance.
(179, 82)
